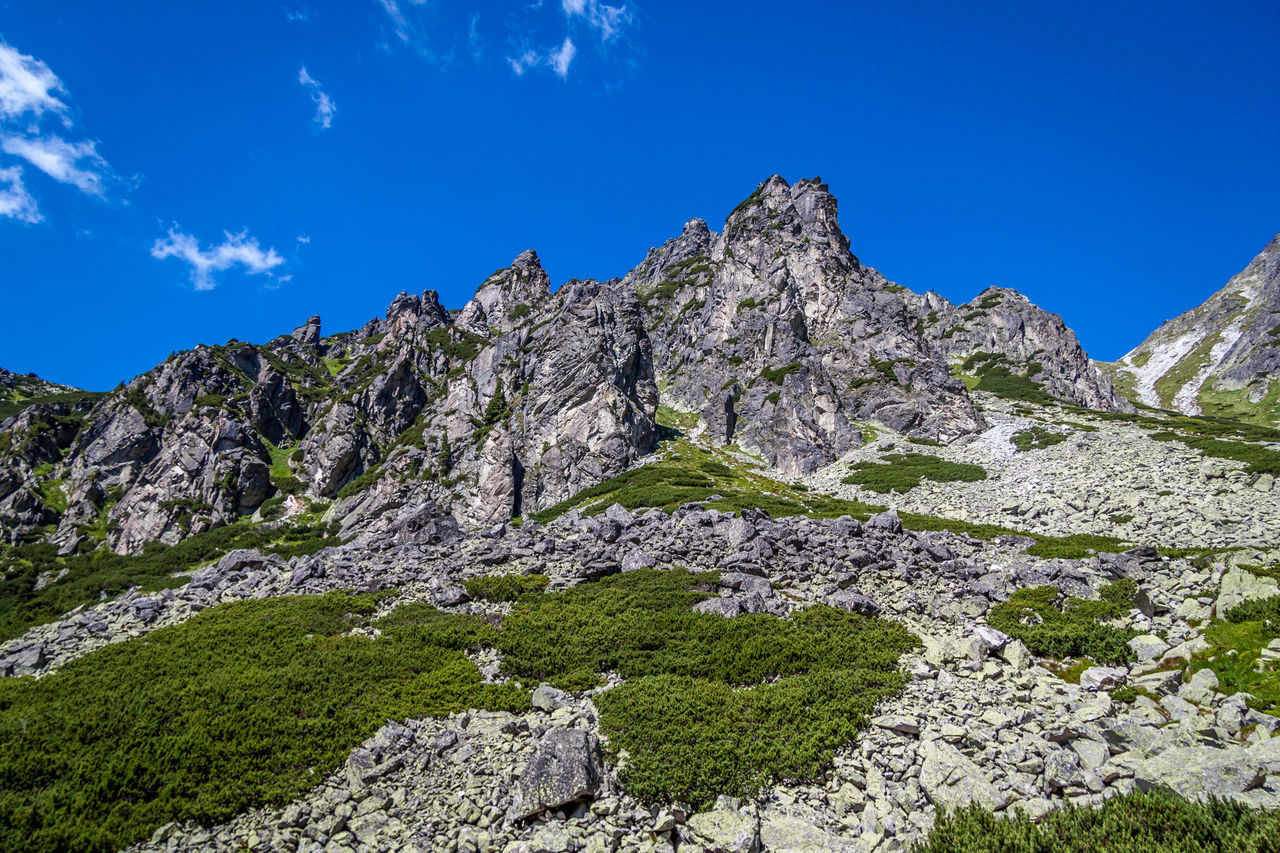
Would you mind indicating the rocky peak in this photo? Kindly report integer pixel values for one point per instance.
(507, 295)
(1002, 333)
(783, 341)
(308, 334)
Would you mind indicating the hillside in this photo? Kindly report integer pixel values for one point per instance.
(1221, 358)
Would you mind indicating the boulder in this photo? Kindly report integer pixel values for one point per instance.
(565, 769)
(1201, 771)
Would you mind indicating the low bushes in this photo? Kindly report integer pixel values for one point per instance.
(243, 705)
(1154, 822)
(104, 573)
(1074, 627)
(711, 705)
(902, 472)
(505, 587)
(1036, 438)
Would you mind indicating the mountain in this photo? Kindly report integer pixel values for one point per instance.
(749, 550)
(1220, 358)
(783, 342)
(511, 404)
(1003, 341)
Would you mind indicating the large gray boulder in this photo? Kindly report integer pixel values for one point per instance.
(1202, 771)
(566, 769)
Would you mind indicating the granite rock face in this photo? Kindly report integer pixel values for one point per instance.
(783, 342)
(515, 402)
(1030, 341)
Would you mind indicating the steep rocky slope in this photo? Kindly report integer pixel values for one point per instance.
(1005, 337)
(783, 342)
(1221, 357)
(516, 402)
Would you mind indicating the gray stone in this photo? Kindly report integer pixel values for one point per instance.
(565, 769)
(1196, 772)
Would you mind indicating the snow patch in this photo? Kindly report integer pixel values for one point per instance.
(1164, 357)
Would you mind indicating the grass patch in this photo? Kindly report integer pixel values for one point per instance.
(243, 705)
(711, 705)
(505, 587)
(1235, 645)
(1259, 459)
(1153, 822)
(16, 403)
(1036, 438)
(688, 473)
(1055, 627)
(904, 471)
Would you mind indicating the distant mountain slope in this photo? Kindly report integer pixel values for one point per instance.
(1007, 339)
(1221, 357)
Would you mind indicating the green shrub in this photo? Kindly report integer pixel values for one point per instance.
(520, 311)
(104, 574)
(1060, 629)
(1259, 459)
(904, 471)
(243, 705)
(1235, 645)
(360, 483)
(1154, 822)
(1036, 438)
(505, 587)
(711, 705)
(777, 374)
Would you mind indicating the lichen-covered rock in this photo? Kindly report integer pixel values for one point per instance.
(566, 769)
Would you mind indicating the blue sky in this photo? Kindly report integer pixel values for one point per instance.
(178, 173)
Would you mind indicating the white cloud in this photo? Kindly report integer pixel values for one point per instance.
(75, 163)
(235, 249)
(15, 201)
(609, 20)
(398, 20)
(325, 107)
(561, 58)
(27, 86)
(296, 16)
(473, 37)
(29, 92)
(557, 59)
(528, 59)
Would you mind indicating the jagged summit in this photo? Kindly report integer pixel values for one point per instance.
(782, 341)
(1221, 357)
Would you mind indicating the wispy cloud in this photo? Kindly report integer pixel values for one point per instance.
(557, 59)
(15, 201)
(29, 93)
(236, 249)
(76, 163)
(561, 57)
(607, 20)
(296, 16)
(325, 107)
(27, 86)
(474, 41)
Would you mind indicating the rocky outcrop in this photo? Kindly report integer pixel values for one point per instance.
(1221, 357)
(783, 342)
(1029, 341)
